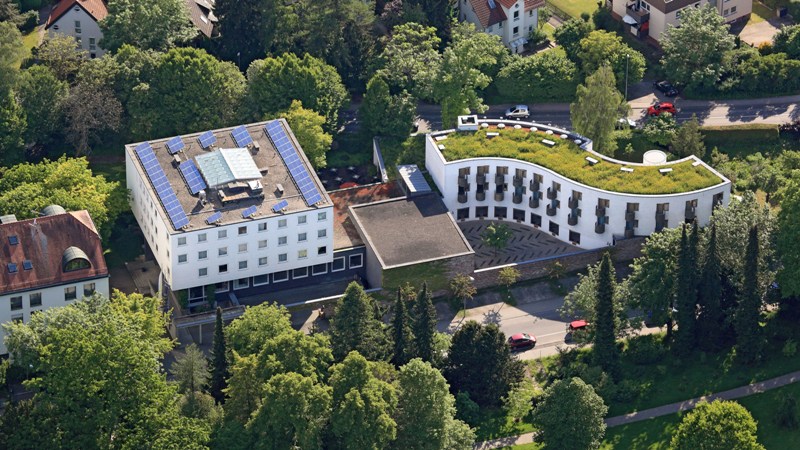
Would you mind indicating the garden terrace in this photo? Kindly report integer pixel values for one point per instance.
(569, 160)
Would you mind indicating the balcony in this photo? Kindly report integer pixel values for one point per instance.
(600, 211)
(463, 182)
(499, 178)
(517, 181)
(480, 196)
(638, 14)
(551, 193)
(499, 196)
(573, 203)
(516, 198)
(551, 210)
(599, 228)
(691, 212)
(534, 201)
(462, 198)
(572, 219)
(534, 185)
(480, 178)
(628, 234)
(630, 216)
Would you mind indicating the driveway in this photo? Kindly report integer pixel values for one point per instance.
(761, 32)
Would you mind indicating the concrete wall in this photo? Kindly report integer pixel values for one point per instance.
(89, 30)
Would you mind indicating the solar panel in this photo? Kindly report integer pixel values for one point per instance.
(280, 205)
(214, 218)
(207, 139)
(248, 212)
(192, 177)
(241, 136)
(175, 145)
(27, 264)
(161, 185)
(291, 157)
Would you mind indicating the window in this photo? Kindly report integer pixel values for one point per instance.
(481, 212)
(202, 272)
(302, 237)
(302, 254)
(16, 303)
(221, 287)
(78, 28)
(262, 243)
(500, 25)
(536, 220)
(70, 293)
(530, 13)
(262, 261)
(202, 255)
(302, 272)
(223, 251)
(222, 234)
(241, 283)
(282, 223)
(260, 280)
(500, 212)
(301, 220)
(322, 216)
(516, 16)
(17, 318)
(516, 31)
(356, 261)
(92, 44)
(726, 12)
(319, 269)
(338, 264)
(197, 293)
(88, 289)
(322, 250)
(182, 259)
(575, 238)
(322, 233)
(277, 277)
(242, 265)
(35, 299)
(733, 10)
(282, 240)
(242, 248)
(181, 241)
(462, 213)
(518, 215)
(262, 226)
(283, 257)
(201, 237)
(554, 228)
(242, 230)
(223, 268)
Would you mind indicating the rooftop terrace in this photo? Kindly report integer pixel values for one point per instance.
(569, 160)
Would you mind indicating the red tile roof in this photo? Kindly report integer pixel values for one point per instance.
(533, 4)
(344, 232)
(507, 4)
(487, 16)
(96, 8)
(42, 241)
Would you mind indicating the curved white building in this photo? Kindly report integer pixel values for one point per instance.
(590, 216)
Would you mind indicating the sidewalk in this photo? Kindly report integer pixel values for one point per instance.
(638, 416)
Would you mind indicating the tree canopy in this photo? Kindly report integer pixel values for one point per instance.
(411, 59)
(146, 24)
(540, 77)
(598, 104)
(720, 425)
(355, 327)
(307, 126)
(570, 416)
(602, 47)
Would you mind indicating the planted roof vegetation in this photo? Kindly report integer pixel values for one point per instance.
(569, 160)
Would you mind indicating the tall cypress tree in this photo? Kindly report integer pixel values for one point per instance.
(709, 293)
(219, 361)
(748, 313)
(401, 332)
(424, 325)
(606, 354)
(686, 292)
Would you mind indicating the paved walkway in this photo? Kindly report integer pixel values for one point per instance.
(638, 416)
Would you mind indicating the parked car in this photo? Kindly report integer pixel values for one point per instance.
(661, 107)
(517, 112)
(665, 87)
(575, 327)
(625, 122)
(521, 341)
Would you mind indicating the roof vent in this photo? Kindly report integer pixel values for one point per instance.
(9, 218)
(53, 210)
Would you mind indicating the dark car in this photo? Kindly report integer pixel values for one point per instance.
(665, 87)
(660, 108)
(521, 341)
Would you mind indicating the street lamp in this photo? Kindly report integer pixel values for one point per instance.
(627, 57)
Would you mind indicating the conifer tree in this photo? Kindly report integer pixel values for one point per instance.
(709, 292)
(606, 353)
(219, 361)
(424, 324)
(746, 322)
(401, 331)
(685, 292)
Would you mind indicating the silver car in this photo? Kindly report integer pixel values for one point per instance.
(517, 112)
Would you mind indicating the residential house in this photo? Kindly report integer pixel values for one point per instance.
(512, 20)
(48, 262)
(79, 19)
(201, 12)
(648, 19)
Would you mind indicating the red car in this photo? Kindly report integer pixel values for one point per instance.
(661, 107)
(521, 341)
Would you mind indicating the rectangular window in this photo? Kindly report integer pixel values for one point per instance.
(262, 226)
(322, 250)
(223, 268)
(202, 255)
(282, 223)
(223, 251)
(35, 299)
(89, 289)
(338, 264)
(70, 293)
(500, 212)
(301, 272)
(17, 318)
(481, 212)
(262, 261)
(201, 237)
(516, 31)
(322, 233)
(536, 220)
(242, 248)
(181, 241)
(283, 257)
(462, 213)
(733, 9)
(518, 215)
(242, 265)
(182, 259)
(516, 14)
(260, 280)
(554, 228)
(322, 216)
(283, 240)
(16, 303)
(302, 254)
(319, 269)
(92, 44)
(242, 230)
(202, 272)
(241, 283)
(283, 275)
(575, 237)
(301, 220)
(262, 243)
(356, 261)
(222, 234)
(222, 287)
(302, 237)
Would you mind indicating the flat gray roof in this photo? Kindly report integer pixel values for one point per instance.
(410, 230)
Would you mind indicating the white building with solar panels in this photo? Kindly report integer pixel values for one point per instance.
(240, 209)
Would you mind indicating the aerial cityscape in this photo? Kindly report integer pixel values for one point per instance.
(401, 225)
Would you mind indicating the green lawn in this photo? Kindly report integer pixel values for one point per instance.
(574, 7)
(29, 41)
(408, 151)
(760, 13)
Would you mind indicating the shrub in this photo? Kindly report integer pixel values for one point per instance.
(536, 38)
(627, 391)
(789, 348)
(786, 413)
(644, 350)
(466, 409)
(544, 76)
(28, 21)
(603, 20)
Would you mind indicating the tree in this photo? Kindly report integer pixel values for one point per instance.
(570, 416)
(9, 10)
(661, 129)
(789, 241)
(219, 361)
(90, 111)
(61, 55)
(518, 403)
(602, 47)
(462, 288)
(146, 24)
(686, 291)
(719, 425)
(191, 370)
(11, 51)
(273, 83)
(507, 276)
(362, 406)
(250, 332)
(787, 40)
(598, 104)
(570, 34)
(245, 388)
(688, 140)
(480, 362)
(354, 327)
(606, 353)
(543, 76)
(424, 325)
(439, 14)
(497, 236)
(693, 52)
(12, 129)
(411, 59)
(426, 411)
(711, 317)
(307, 126)
(384, 114)
(652, 282)
(293, 413)
(748, 313)
(401, 332)
(244, 27)
(42, 97)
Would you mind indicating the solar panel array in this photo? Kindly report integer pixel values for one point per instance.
(175, 145)
(192, 177)
(207, 139)
(248, 212)
(161, 185)
(241, 136)
(279, 206)
(214, 218)
(293, 162)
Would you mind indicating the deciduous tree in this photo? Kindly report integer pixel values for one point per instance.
(12, 129)
(146, 24)
(688, 139)
(720, 425)
(660, 129)
(307, 126)
(507, 276)
(652, 282)
(570, 416)
(540, 77)
(249, 333)
(384, 114)
(11, 51)
(789, 241)
(42, 97)
(598, 104)
(570, 34)
(462, 288)
(787, 40)
(600, 47)
(91, 111)
(497, 236)
(411, 59)
(61, 55)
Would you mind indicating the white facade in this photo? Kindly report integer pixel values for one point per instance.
(83, 27)
(589, 203)
(20, 305)
(513, 31)
(663, 14)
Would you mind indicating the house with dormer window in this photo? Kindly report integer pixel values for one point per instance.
(512, 20)
(81, 20)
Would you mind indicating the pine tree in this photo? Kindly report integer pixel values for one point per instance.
(401, 331)
(424, 324)
(746, 322)
(709, 293)
(606, 353)
(686, 292)
(219, 361)
(355, 327)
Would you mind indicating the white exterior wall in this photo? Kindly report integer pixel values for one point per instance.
(743, 8)
(504, 29)
(660, 20)
(89, 29)
(52, 297)
(445, 175)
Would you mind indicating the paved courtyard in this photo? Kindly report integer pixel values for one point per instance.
(526, 244)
